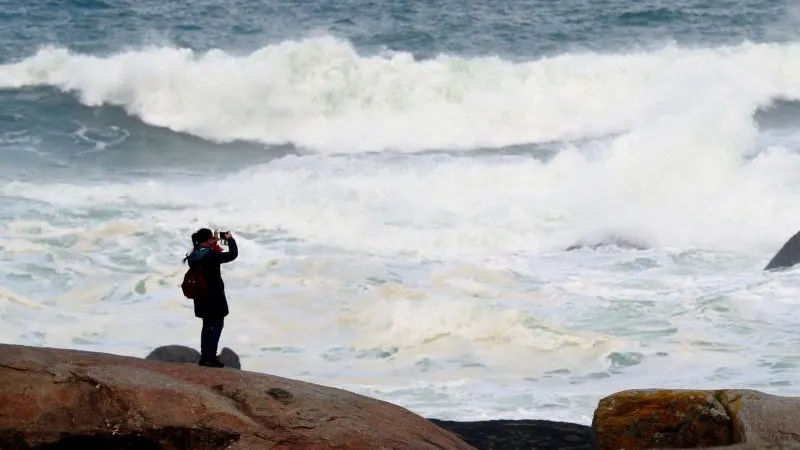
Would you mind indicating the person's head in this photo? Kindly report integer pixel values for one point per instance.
(203, 237)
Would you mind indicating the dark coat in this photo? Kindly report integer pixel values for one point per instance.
(216, 304)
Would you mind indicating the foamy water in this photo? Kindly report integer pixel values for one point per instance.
(435, 280)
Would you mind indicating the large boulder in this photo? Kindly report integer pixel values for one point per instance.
(665, 418)
(184, 354)
(758, 417)
(58, 399)
(633, 420)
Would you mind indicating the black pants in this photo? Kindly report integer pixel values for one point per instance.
(209, 337)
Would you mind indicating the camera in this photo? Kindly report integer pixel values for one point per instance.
(223, 235)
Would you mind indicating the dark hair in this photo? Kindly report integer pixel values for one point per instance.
(201, 235)
(198, 237)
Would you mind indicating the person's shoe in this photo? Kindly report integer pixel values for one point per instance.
(210, 363)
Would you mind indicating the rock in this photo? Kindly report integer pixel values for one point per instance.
(174, 353)
(640, 419)
(760, 417)
(783, 445)
(521, 434)
(58, 399)
(184, 354)
(787, 256)
(229, 358)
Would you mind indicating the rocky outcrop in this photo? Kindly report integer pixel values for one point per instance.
(521, 434)
(59, 399)
(184, 354)
(486, 434)
(663, 418)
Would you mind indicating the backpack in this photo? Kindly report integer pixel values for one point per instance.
(194, 284)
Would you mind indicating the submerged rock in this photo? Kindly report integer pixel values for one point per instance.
(59, 399)
(612, 240)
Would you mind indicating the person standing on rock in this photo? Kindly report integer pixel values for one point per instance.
(212, 304)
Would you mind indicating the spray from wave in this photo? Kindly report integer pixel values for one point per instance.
(321, 94)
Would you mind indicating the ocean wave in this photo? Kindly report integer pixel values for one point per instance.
(320, 94)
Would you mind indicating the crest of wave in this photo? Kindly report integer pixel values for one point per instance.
(320, 93)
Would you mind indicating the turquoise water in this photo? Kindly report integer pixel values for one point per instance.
(405, 179)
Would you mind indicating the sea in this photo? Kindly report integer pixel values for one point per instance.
(474, 210)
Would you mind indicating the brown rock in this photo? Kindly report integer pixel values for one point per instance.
(641, 419)
(55, 398)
